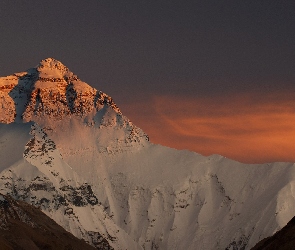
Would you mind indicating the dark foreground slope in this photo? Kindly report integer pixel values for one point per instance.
(282, 240)
(23, 226)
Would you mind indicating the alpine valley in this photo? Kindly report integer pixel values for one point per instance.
(67, 149)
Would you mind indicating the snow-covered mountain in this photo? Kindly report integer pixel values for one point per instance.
(67, 148)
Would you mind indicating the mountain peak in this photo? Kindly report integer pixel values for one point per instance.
(50, 89)
(51, 63)
(52, 68)
(50, 92)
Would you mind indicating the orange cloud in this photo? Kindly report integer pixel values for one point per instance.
(248, 128)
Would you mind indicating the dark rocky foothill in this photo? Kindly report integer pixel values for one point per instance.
(281, 240)
(23, 226)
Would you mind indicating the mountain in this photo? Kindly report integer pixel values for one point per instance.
(22, 226)
(67, 149)
(281, 240)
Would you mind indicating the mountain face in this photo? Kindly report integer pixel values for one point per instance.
(67, 149)
(23, 226)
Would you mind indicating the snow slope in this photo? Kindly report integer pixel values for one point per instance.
(76, 156)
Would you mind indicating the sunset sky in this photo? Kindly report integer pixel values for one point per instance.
(215, 77)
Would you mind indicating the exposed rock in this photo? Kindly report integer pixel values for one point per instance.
(23, 226)
(281, 240)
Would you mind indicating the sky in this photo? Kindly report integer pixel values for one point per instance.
(215, 77)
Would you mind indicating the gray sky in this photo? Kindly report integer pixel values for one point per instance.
(138, 50)
(151, 46)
